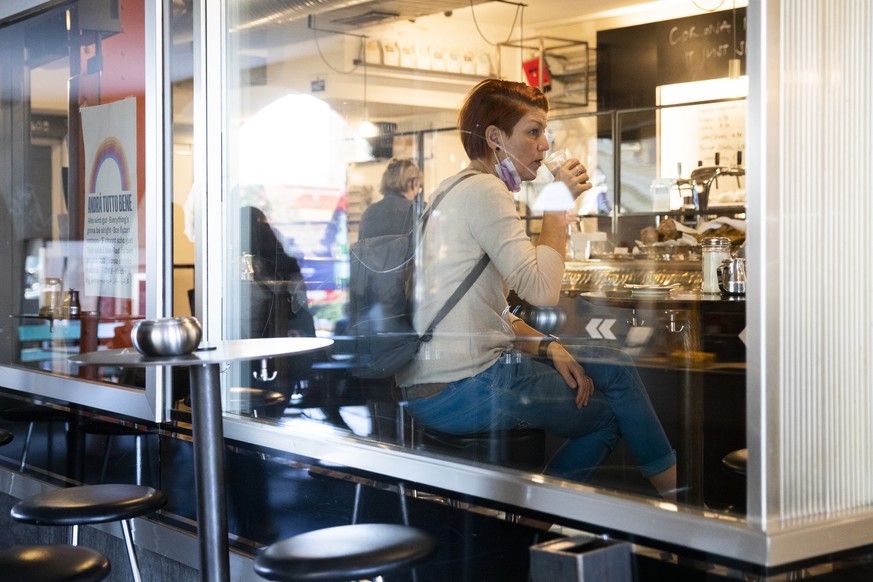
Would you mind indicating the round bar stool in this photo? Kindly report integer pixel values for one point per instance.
(254, 401)
(521, 448)
(54, 563)
(249, 401)
(90, 504)
(518, 448)
(735, 462)
(5, 437)
(344, 552)
(111, 430)
(32, 414)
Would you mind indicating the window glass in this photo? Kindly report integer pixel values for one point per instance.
(322, 119)
(73, 185)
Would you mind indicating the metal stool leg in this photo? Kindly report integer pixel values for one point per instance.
(357, 506)
(139, 458)
(107, 450)
(131, 552)
(73, 536)
(26, 446)
(401, 491)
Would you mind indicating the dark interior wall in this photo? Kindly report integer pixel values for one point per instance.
(633, 61)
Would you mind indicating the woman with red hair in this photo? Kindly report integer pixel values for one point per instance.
(484, 368)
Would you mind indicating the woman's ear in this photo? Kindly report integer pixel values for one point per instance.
(493, 137)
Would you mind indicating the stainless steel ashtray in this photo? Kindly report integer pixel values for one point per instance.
(170, 336)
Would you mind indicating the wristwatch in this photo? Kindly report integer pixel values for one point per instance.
(543, 347)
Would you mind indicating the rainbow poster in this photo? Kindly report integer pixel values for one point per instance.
(111, 238)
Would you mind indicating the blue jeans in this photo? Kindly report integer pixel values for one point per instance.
(529, 393)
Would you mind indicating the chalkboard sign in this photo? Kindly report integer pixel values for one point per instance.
(632, 61)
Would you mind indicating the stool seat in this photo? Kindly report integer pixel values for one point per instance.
(519, 448)
(5, 437)
(255, 397)
(54, 563)
(99, 427)
(249, 400)
(34, 413)
(344, 552)
(88, 504)
(735, 462)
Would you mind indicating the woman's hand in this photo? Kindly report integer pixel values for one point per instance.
(575, 176)
(572, 372)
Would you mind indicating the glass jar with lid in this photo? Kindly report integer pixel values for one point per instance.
(714, 250)
(50, 297)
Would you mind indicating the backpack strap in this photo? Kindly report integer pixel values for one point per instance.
(456, 296)
(439, 198)
(468, 280)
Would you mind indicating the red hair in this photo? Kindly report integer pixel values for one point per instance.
(499, 103)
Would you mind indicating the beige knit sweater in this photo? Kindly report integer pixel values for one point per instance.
(478, 216)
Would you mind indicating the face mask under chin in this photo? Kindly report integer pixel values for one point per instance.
(506, 171)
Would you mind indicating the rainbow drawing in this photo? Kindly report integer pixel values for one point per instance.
(110, 149)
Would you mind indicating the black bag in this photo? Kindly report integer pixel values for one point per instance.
(380, 285)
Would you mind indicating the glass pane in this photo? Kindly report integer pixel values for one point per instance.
(74, 185)
(638, 162)
(301, 174)
(589, 138)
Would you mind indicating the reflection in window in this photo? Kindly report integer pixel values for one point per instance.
(74, 188)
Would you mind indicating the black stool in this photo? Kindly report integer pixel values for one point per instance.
(55, 563)
(344, 552)
(523, 449)
(249, 401)
(324, 470)
(254, 401)
(111, 430)
(518, 448)
(90, 504)
(735, 462)
(31, 414)
(5, 437)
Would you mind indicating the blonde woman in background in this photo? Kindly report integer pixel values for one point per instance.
(396, 212)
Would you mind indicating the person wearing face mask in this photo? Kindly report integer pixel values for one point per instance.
(486, 370)
(395, 213)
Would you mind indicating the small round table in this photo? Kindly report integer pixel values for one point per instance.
(204, 367)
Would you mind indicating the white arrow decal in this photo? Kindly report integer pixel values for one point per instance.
(591, 328)
(606, 330)
(600, 328)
